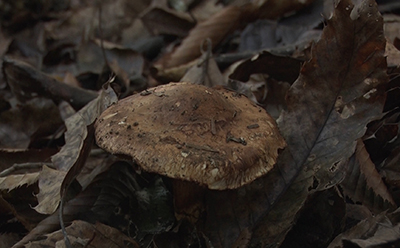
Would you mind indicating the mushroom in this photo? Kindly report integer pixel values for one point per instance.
(211, 137)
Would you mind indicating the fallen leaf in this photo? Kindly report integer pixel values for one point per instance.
(281, 68)
(339, 89)
(224, 22)
(214, 28)
(329, 96)
(73, 209)
(84, 234)
(9, 157)
(162, 20)
(27, 82)
(364, 185)
(376, 231)
(69, 154)
(42, 116)
(205, 71)
(14, 181)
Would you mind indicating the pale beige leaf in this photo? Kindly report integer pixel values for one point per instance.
(49, 195)
(14, 181)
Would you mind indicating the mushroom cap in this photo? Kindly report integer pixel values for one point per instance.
(215, 137)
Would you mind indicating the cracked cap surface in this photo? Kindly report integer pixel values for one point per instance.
(215, 137)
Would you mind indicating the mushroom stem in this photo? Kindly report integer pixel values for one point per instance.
(188, 200)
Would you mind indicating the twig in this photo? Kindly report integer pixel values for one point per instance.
(60, 217)
(101, 35)
(204, 61)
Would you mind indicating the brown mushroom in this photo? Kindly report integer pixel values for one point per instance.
(213, 137)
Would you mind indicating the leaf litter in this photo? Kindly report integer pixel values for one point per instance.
(318, 67)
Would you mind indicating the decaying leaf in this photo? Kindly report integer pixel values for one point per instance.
(323, 90)
(16, 157)
(309, 230)
(364, 185)
(214, 28)
(376, 231)
(69, 154)
(205, 71)
(278, 67)
(149, 212)
(330, 97)
(13, 181)
(328, 107)
(50, 181)
(160, 19)
(224, 22)
(41, 114)
(84, 234)
(73, 209)
(16, 207)
(28, 82)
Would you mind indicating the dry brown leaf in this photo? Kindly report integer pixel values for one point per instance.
(273, 9)
(224, 22)
(376, 231)
(338, 92)
(19, 202)
(329, 107)
(206, 71)
(82, 22)
(4, 43)
(84, 234)
(79, 205)
(27, 82)
(42, 116)
(206, 8)
(215, 28)
(364, 185)
(70, 153)
(8, 239)
(281, 68)
(9, 157)
(162, 20)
